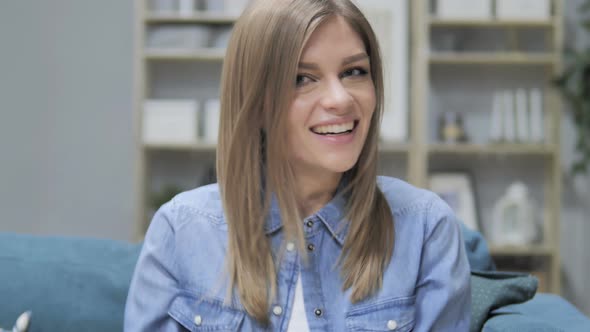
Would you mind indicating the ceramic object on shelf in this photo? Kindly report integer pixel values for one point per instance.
(451, 128)
(513, 218)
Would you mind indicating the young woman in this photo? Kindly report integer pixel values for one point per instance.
(300, 234)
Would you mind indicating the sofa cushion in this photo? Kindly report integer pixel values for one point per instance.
(70, 284)
(477, 250)
(545, 312)
(492, 289)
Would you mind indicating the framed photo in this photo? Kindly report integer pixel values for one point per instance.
(457, 190)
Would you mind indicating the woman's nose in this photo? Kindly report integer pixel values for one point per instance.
(335, 97)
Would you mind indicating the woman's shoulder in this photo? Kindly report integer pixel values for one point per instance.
(407, 200)
(187, 234)
(403, 196)
(202, 204)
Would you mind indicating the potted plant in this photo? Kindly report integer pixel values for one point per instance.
(574, 83)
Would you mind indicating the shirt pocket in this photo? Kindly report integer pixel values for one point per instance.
(197, 314)
(389, 315)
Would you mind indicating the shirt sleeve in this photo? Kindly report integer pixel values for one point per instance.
(154, 284)
(443, 295)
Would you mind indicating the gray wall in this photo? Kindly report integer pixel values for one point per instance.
(66, 117)
(66, 153)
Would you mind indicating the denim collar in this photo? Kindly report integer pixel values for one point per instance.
(331, 215)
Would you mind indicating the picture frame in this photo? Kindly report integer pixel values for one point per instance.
(457, 189)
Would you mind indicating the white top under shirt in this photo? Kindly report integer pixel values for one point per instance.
(298, 321)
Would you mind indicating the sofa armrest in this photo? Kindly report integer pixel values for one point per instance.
(544, 312)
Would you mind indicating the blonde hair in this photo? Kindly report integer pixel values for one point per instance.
(258, 83)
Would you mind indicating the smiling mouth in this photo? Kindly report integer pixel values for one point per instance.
(336, 129)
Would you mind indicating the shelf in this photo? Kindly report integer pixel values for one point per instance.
(197, 17)
(204, 54)
(192, 147)
(491, 58)
(498, 149)
(533, 250)
(492, 23)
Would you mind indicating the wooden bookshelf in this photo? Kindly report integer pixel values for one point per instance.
(426, 152)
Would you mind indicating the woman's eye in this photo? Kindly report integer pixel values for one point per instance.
(355, 72)
(302, 80)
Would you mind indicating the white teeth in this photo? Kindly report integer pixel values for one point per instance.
(333, 129)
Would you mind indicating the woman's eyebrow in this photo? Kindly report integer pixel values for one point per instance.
(345, 61)
(354, 58)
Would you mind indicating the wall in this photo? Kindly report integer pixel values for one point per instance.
(65, 101)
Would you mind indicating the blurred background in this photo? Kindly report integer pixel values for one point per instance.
(111, 107)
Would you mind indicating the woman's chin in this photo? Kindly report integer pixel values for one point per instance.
(340, 165)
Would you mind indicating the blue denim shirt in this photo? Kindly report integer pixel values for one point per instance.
(180, 280)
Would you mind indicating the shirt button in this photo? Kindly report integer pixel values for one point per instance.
(198, 320)
(277, 310)
(309, 223)
(290, 246)
(318, 312)
(391, 325)
(310, 247)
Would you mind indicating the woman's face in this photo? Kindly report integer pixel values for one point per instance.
(334, 101)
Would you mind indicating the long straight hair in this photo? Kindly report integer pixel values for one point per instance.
(258, 85)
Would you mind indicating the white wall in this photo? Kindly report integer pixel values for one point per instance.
(66, 116)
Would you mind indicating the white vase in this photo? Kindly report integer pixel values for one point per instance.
(513, 218)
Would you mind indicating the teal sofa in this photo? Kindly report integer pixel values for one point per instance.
(80, 284)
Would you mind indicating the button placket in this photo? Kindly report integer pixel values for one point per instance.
(308, 225)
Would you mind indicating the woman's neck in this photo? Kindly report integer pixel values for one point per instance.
(313, 192)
